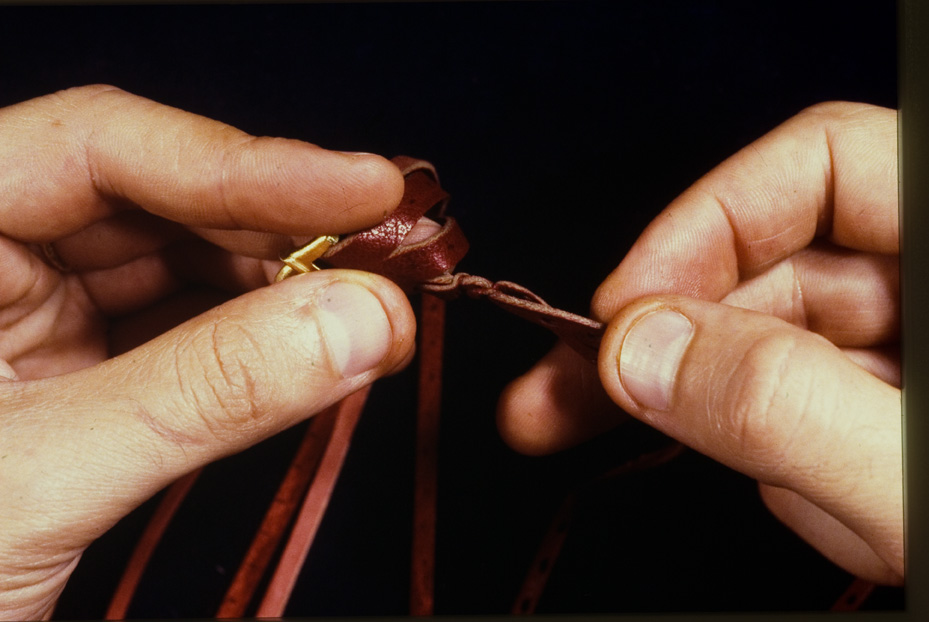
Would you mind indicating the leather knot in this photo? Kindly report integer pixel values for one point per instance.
(428, 264)
(579, 332)
(381, 249)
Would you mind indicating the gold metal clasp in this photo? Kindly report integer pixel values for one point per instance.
(301, 260)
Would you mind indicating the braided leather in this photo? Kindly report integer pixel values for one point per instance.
(381, 250)
(581, 333)
(428, 265)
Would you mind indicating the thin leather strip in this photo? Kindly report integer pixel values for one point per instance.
(279, 515)
(854, 596)
(429, 406)
(145, 547)
(313, 508)
(534, 583)
(548, 551)
(581, 333)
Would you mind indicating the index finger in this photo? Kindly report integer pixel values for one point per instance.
(78, 156)
(830, 171)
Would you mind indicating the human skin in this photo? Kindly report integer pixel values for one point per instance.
(785, 253)
(161, 214)
(757, 320)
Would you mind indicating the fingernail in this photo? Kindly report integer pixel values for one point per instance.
(650, 356)
(7, 372)
(356, 329)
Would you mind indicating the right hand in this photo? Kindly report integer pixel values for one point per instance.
(158, 212)
(757, 320)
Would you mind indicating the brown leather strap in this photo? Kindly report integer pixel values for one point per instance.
(854, 597)
(381, 249)
(148, 542)
(548, 551)
(314, 507)
(429, 407)
(279, 515)
(550, 548)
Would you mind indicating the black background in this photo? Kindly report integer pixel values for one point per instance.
(561, 129)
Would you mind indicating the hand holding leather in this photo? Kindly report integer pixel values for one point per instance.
(131, 192)
(757, 320)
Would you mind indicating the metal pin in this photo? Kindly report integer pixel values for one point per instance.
(301, 260)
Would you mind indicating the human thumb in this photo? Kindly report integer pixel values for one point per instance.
(769, 399)
(83, 449)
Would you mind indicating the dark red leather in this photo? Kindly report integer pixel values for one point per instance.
(579, 332)
(381, 250)
(428, 265)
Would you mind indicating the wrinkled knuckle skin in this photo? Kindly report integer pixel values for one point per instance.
(223, 368)
(768, 402)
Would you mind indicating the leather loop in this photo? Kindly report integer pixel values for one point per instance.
(381, 249)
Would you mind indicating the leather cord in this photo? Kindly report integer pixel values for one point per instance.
(550, 547)
(425, 476)
(581, 333)
(314, 507)
(145, 548)
(279, 515)
(854, 596)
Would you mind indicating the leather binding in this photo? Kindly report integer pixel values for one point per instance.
(381, 250)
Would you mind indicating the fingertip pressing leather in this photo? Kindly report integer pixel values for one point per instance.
(650, 355)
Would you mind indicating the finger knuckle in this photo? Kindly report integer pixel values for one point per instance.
(222, 374)
(771, 399)
(228, 151)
